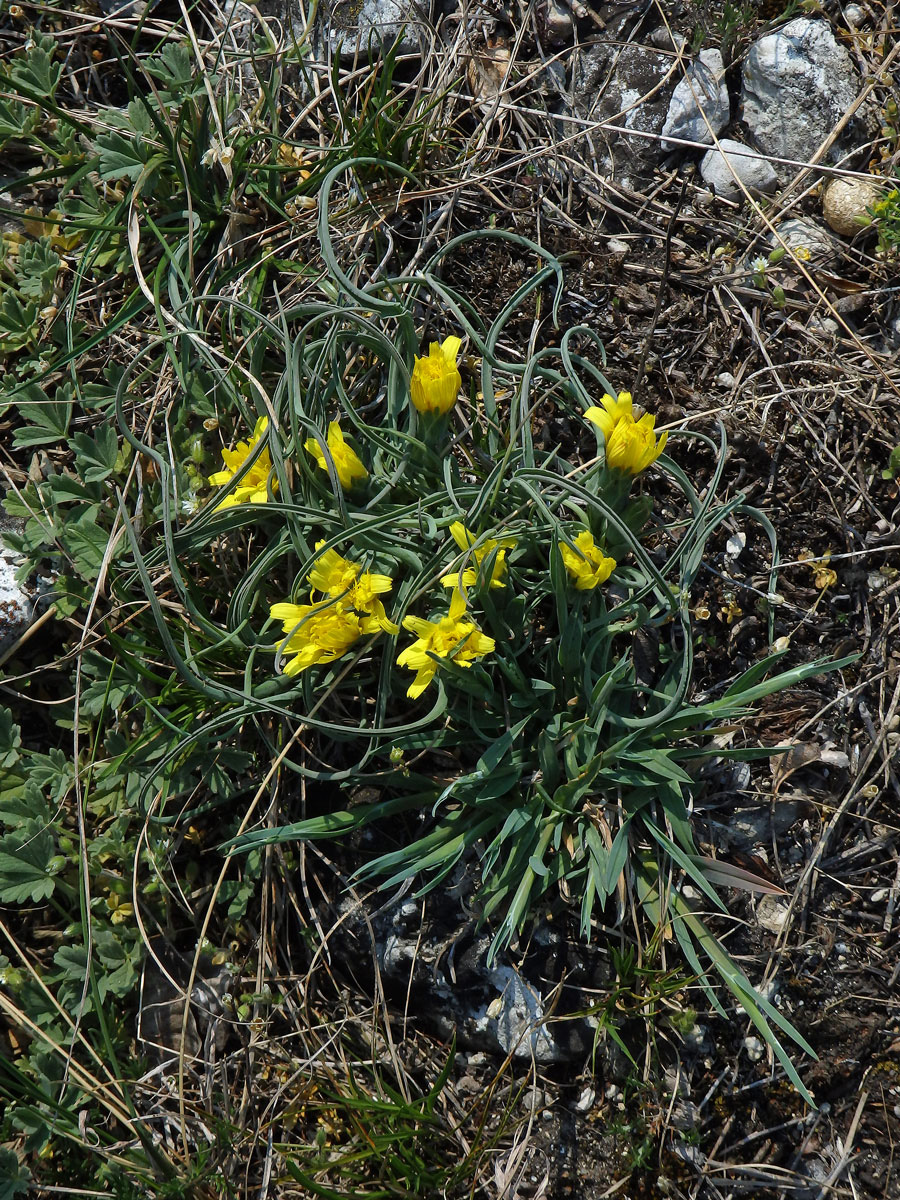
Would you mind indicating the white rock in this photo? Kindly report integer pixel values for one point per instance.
(854, 15)
(585, 1101)
(735, 545)
(16, 604)
(363, 26)
(772, 914)
(754, 1048)
(725, 380)
(519, 1015)
(700, 101)
(754, 170)
(797, 84)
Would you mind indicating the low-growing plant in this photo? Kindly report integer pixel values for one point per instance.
(401, 532)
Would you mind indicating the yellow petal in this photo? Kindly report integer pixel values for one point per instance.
(422, 680)
(469, 579)
(457, 604)
(461, 535)
(601, 418)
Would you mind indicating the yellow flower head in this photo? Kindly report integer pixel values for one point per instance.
(346, 461)
(319, 633)
(339, 578)
(450, 638)
(631, 445)
(588, 566)
(252, 488)
(436, 380)
(466, 541)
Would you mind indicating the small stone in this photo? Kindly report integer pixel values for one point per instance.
(754, 1048)
(695, 1038)
(725, 380)
(560, 26)
(826, 325)
(846, 204)
(585, 1101)
(809, 240)
(772, 914)
(700, 106)
(617, 246)
(854, 15)
(734, 547)
(685, 1115)
(731, 158)
(879, 896)
(519, 1015)
(469, 1086)
(662, 39)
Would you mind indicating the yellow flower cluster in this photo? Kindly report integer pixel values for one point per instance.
(345, 602)
(451, 638)
(345, 606)
(253, 487)
(434, 387)
(631, 445)
(324, 630)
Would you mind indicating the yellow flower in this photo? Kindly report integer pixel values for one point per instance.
(449, 638)
(631, 445)
(252, 488)
(589, 566)
(319, 633)
(435, 380)
(339, 578)
(347, 463)
(466, 541)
